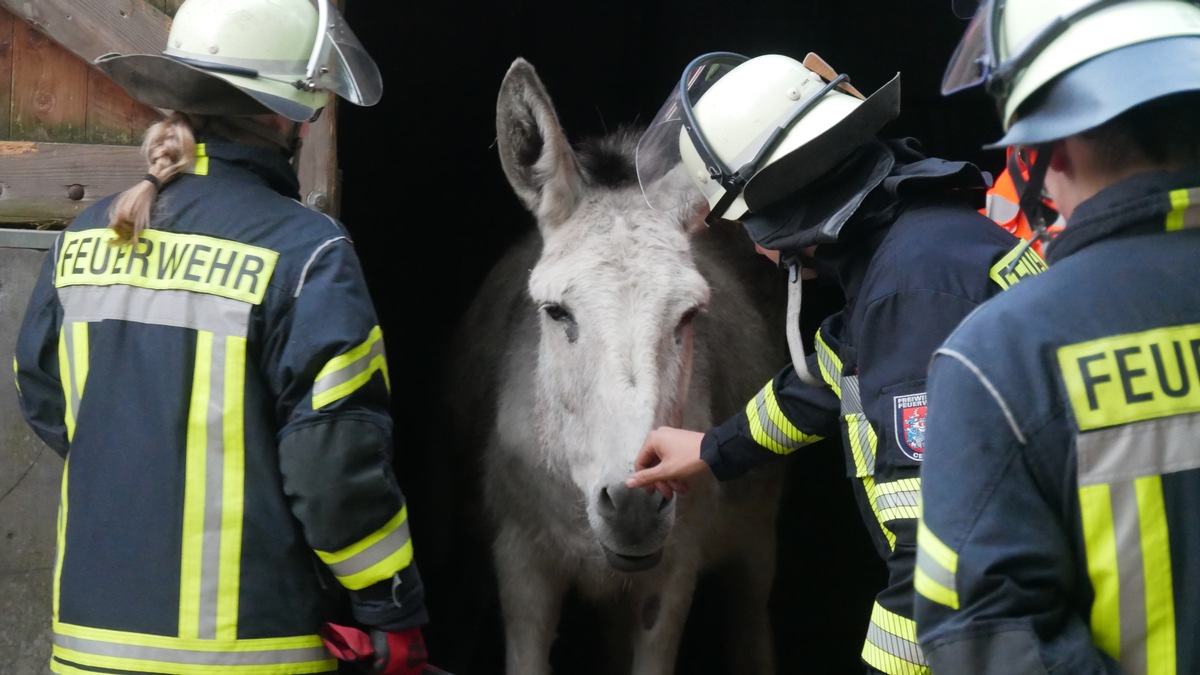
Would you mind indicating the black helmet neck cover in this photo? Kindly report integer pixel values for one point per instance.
(824, 211)
(817, 213)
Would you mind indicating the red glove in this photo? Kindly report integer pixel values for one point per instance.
(380, 652)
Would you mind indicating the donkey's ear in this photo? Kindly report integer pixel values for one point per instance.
(674, 191)
(534, 152)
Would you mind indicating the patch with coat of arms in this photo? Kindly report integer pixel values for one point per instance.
(910, 424)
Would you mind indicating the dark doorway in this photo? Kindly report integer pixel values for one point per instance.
(425, 198)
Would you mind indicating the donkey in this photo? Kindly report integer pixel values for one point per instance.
(606, 321)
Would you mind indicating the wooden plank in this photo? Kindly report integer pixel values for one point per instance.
(7, 24)
(90, 28)
(49, 89)
(112, 116)
(55, 181)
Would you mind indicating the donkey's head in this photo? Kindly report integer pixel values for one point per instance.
(617, 290)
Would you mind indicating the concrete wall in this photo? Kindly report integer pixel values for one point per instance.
(29, 481)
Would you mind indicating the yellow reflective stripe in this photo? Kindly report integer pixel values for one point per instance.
(200, 168)
(1156, 557)
(60, 537)
(72, 370)
(1185, 210)
(830, 364)
(936, 569)
(856, 424)
(346, 373)
(358, 565)
(102, 648)
(194, 497)
(64, 376)
(1132, 377)
(1030, 263)
(233, 482)
(898, 499)
(891, 644)
(934, 591)
(15, 373)
(167, 261)
(774, 431)
(1101, 545)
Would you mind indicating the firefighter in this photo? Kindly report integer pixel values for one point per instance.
(1003, 204)
(791, 150)
(203, 352)
(1062, 471)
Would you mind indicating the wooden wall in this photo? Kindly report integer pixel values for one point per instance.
(69, 135)
(48, 94)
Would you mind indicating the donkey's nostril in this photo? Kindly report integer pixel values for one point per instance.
(665, 503)
(605, 503)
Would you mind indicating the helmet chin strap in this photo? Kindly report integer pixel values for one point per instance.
(795, 346)
(1030, 202)
(289, 142)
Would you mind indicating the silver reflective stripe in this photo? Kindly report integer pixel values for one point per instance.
(852, 406)
(1132, 571)
(242, 657)
(1001, 209)
(183, 309)
(896, 500)
(934, 569)
(768, 425)
(210, 556)
(373, 554)
(832, 370)
(895, 635)
(1150, 448)
(349, 371)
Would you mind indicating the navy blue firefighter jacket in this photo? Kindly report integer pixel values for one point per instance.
(913, 260)
(219, 390)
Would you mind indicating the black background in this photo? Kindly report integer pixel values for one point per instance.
(430, 210)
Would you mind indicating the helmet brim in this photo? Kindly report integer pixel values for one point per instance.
(165, 82)
(817, 157)
(1103, 87)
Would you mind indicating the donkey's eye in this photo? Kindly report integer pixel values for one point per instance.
(561, 316)
(556, 311)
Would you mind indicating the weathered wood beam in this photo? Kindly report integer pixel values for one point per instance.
(42, 182)
(90, 28)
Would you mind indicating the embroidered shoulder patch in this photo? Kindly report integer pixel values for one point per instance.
(910, 424)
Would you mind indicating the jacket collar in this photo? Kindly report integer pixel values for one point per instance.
(220, 158)
(1151, 202)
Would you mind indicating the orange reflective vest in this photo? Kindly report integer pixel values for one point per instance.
(1003, 203)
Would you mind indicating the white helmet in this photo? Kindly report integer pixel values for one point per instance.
(751, 131)
(246, 57)
(1060, 67)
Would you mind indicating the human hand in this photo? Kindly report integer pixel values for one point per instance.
(399, 652)
(669, 457)
(379, 652)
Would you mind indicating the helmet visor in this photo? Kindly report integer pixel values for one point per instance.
(975, 56)
(340, 64)
(658, 149)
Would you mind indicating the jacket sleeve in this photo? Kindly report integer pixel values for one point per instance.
(994, 561)
(326, 361)
(786, 414)
(36, 363)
